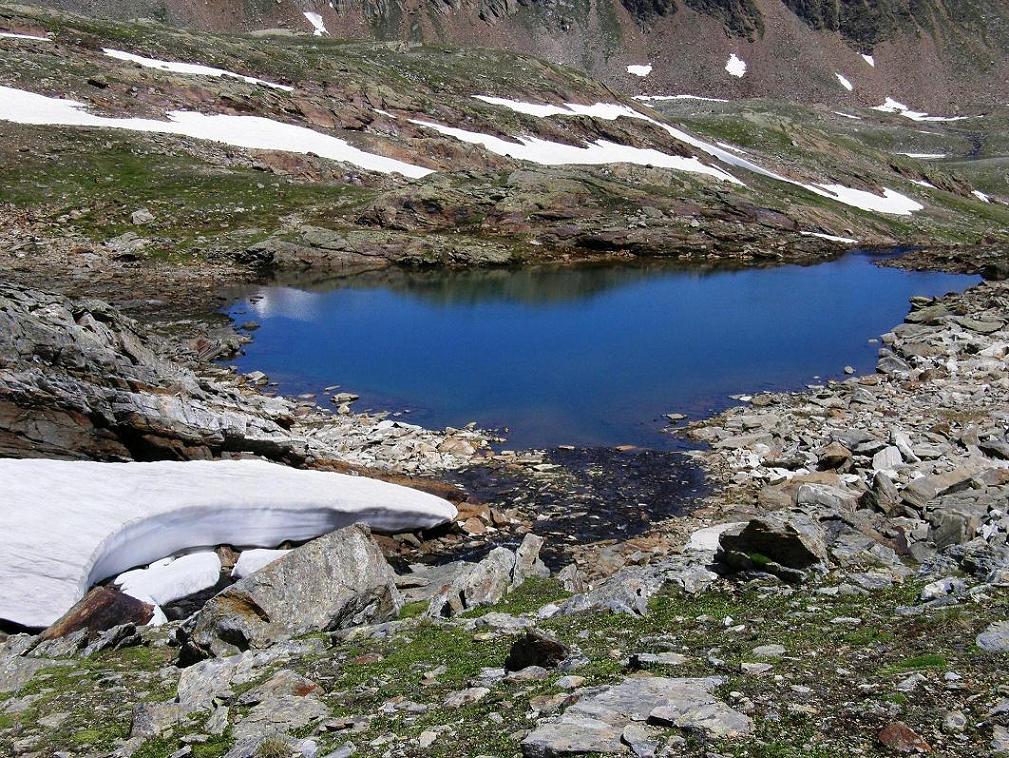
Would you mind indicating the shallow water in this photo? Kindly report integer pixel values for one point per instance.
(587, 356)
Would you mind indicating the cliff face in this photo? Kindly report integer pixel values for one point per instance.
(932, 54)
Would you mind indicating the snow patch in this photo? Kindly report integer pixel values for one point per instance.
(661, 98)
(600, 152)
(14, 35)
(172, 578)
(981, 196)
(316, 21)
(923, 183)
(640, 70)
(890, 202)
(844, 82)
(893, 106)
(253, 132)
(190, 68)
(926, 156)
(385, 113)
(250, 561)
(70, 524)
(848, 115)
(830, 238)
(869, 59)
(736, 66)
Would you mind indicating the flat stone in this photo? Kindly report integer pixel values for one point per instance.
(284, 714)
(995, 639)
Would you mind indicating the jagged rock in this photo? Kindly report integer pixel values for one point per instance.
(151, 719)
(901, 738)
(527, 560)
(483, 583)
(16, 671)
(333, 582)
(285, 682)
(921, 491)
(535, 648)
(116, 638)
(627, 591)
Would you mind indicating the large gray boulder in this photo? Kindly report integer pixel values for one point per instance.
(783, 543)
(337, 581)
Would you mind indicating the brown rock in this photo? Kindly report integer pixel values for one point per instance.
(535, 648)
(102, 608)
(901, 738)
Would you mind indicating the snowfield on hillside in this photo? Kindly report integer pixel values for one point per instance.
(70, 524)
(736, 66)
(190, 68)
(254, 132)
(891, 202)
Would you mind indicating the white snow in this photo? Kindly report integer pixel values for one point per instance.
(600, 152)
(736, 66)
(385, 113)
(844, 82)
(893, 106)
(250, 561)
(981, 196)
(254, 132)
(848, 115)
(660, 98)
(925, 156)
(316, 21)
(190, 68)
(706, 540)
(640, 70)
(70, 524)
(171, 578)
(890, 202)
(869, 59)
(923, 183)
(13, 35)
(830, 237)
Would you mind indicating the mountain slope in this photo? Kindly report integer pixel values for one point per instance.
(934, 54)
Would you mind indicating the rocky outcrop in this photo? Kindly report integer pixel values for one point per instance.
(334, 582)
(103, 608)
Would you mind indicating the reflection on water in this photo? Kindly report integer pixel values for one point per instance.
(586, 355)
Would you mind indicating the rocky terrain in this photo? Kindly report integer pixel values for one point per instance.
(935, 53)
(827, 578)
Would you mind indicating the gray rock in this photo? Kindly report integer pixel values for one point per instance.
(596, 722)
(535, 648)
(280, 715)
(16, 672)
(337, 581)
(769, 651)
(152, 719)
(790, 540)
(483, 583)
(995, 639)
(921, 491)
(646, 660)
(527, 560)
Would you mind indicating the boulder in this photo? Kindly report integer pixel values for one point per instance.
(337, 581)
(483, 583)
(780, 542)
(103, 608)
(995, 639)
(527, 560)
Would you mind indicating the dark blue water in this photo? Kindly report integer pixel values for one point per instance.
(586, 356)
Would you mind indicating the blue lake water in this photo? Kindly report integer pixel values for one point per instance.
(588, 355)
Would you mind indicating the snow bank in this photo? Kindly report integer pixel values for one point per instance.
(923, 183)
(890, 202)
(660, 98)
(254, 132)
(848, 115)
(190, 68)
(640, 70)
(869, 59)
(925, 156)
(13, 35)
(171, 578)
(70, 524)
(844, 82)
(316, 21)
(981, 196)
(830, 238)
(600, 152)
(892, 106)
(250, 561)
(736, 66)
